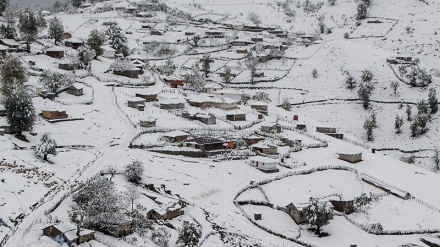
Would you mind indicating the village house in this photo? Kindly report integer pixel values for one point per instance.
(108, 52)
(241, 51)
(291, 142)
(241, 42)
(54, 114)
(271, 128)
(189, 33)
(236, 115)
(176, 136)
(148, 96)
(326, 129)
(76, 89)
(350, 155)
(201, 100)
(144, 14)
(136, 102)
(257, 39)
(215, 33)
(147, 122)
(74, 43)
(131, 9)
(12, 45)
(208, 119)
(69, 66)
(169, 212)
(175, 81)
(212, 87)
(264, 148)
(3, 50)
(260, 106)
(253, 139)
(172, 104)
(67, 233)
(346, 207)
(130, 73)
(139, 64)
(55, 51)
(264, 164)
(225, 103)
(204, 143)
(157, 32)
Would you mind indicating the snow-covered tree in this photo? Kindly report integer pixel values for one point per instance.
(362, 11)
(332, 2)
(131, 195)
(97, 205)
(394, 85)
(317, 213)
(121, 65)
(364, 93)
(245, 98)
(46, 146)
(367, 76)
(3, 5)
(398, 122)
(362, 202)
(168, 68)
(55, 81)
(95, 41)
(12, 74)
(117, 39)
(29, 25)
(189, 235)
(86, 54)
(134, 171)
(419, 125)
(56, 29)
(408, 112)
(286, 104)
(432, 100)
(9, 30)
(315, 73)
(261, 96)
(350, 81)
(194, 80)
(227, 74)
(369, 125)
(160, 236)
(255, 18)
(251, 63)
(418, 77)
(206, 64)
(20, 110)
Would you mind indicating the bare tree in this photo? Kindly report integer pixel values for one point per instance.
(255, 18)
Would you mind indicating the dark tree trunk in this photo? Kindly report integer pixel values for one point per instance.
(28, 47)
(45, 157)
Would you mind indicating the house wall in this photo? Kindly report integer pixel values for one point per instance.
(148, 98)
(55, 54)
(76, 92)
(325, 129)
(259, 107)
(346, 207)
(351, 158)
(54, 114)
(209, 121)
(296, 215)
(172, 106)
(51, 231)
(237, 117)
(225, 106)
(175, 84)
(147, 124)
(134, 104)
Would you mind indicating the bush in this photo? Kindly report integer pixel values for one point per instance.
(134, 171)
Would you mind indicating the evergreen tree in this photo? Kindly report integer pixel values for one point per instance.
(134, 171)
(20, 110)
(206, 64)
(315, 73)
(9, 31)
(286, 104)
(432, 100)
(95, 41)
(362, 11)
(189, 236)
(29, 24)
(195, 80)
(367, 76)
(56, 29)
(408, 112)
(12, 74)
(77, 3)
(46, 146)
(398, 122)
(117, 39)
(317, 213)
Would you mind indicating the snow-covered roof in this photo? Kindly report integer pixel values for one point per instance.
(45, 12)
(213, 85)
(135, 57)
(235, 112)
(171, 101)
(136, 99)
(65, 227)
(55, 48)
(263, 159)
(174, 78)
(10, 42)
(2, 108)
(107, 48)
(78, 86)
(2, 47)
(176, 133)
(200, 98)
(228, 91)
(74, 40)
(148, 119)
(71, 235)
(350, 151)
(260, 145)
(136, 61)
(260, 103)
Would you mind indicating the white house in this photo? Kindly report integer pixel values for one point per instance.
(264, 164)
(108, 52)
(212, 87)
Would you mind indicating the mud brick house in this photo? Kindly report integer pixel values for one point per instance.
(204, 143)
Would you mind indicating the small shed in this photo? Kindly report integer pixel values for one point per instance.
(73, 42)
(176, 136)
(10, 43)
(136, 102)
(7, 128)
(67, 35)
(148, 96)
(264, 164)
(54, 114)
(76, 89)
(175, 81)
(253, 139)
(55, 51)
(172, 104)
(271, 128)
(236, 115)
(260, 106)
(350, 155)
(108, 51)
(67, 232)
(147, 122)
(301, 126)
(346, 207)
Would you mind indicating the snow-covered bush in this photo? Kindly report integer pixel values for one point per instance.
(134, 171)
(317, 213)
(46, 146)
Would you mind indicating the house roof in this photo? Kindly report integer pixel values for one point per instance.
(228, 91)
(55, 48)
(64, 227)
(2, 107)
(10, 42)
(71, 235)
(263, 159)
(75, 40)
(148, 119)
(259, 103)
(235, 112)
(260, 145)
(176, 133)
(2, 47)
(350, 151)
(213, 85)
(204, 140)
(174, 78)
(136, 99)
(77, 86)
(172, 101)
(107, 48)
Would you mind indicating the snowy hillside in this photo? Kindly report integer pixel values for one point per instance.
(219, 123)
